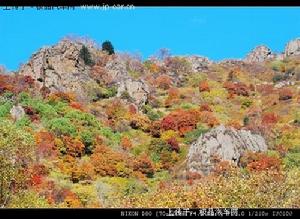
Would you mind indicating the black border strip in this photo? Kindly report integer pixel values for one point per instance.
(151, 213)
(151, 2)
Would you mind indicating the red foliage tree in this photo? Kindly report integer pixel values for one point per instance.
(22, 83)
(180, 120)
(264, 162)
(173, 144)
(269, 118)
(32, 113)
(36, 174)
(132, 109)
(15, 83)
(29, 80)
(186, 120)
(239, 89)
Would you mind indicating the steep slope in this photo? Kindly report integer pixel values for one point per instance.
(101, 130)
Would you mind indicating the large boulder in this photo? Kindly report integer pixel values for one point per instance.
(137, 90)
(292, 48)
(224, 143)
(259, 54)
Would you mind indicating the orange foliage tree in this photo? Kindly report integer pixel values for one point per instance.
(186, 120)
(209, 118)
(62, 96)
(203, 86)
(105, 161)
(83, 170)
(74, 146)
(163, 82)
(144, 165)
(259, 162)
(45, 144)
(140, 122)
(173, 97)
(126, 143)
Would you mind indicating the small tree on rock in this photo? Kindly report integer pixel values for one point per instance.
(108, 47)
(86, 56)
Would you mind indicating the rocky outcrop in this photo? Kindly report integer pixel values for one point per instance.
(137, 90)
(59, 68)
(17, 112)
(227, 144)
(292, 48)
(198, 63)
(259, 54)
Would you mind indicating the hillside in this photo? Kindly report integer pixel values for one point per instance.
(83, 127)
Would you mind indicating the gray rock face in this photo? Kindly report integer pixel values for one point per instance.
(284, 84)
(259, 54)
(17, 112)
(227, 144)
(198, 63)
(59, 67)
(116, 69)
(138, 90)
(292, 48)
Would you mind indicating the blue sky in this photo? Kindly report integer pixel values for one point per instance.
(215, 32)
